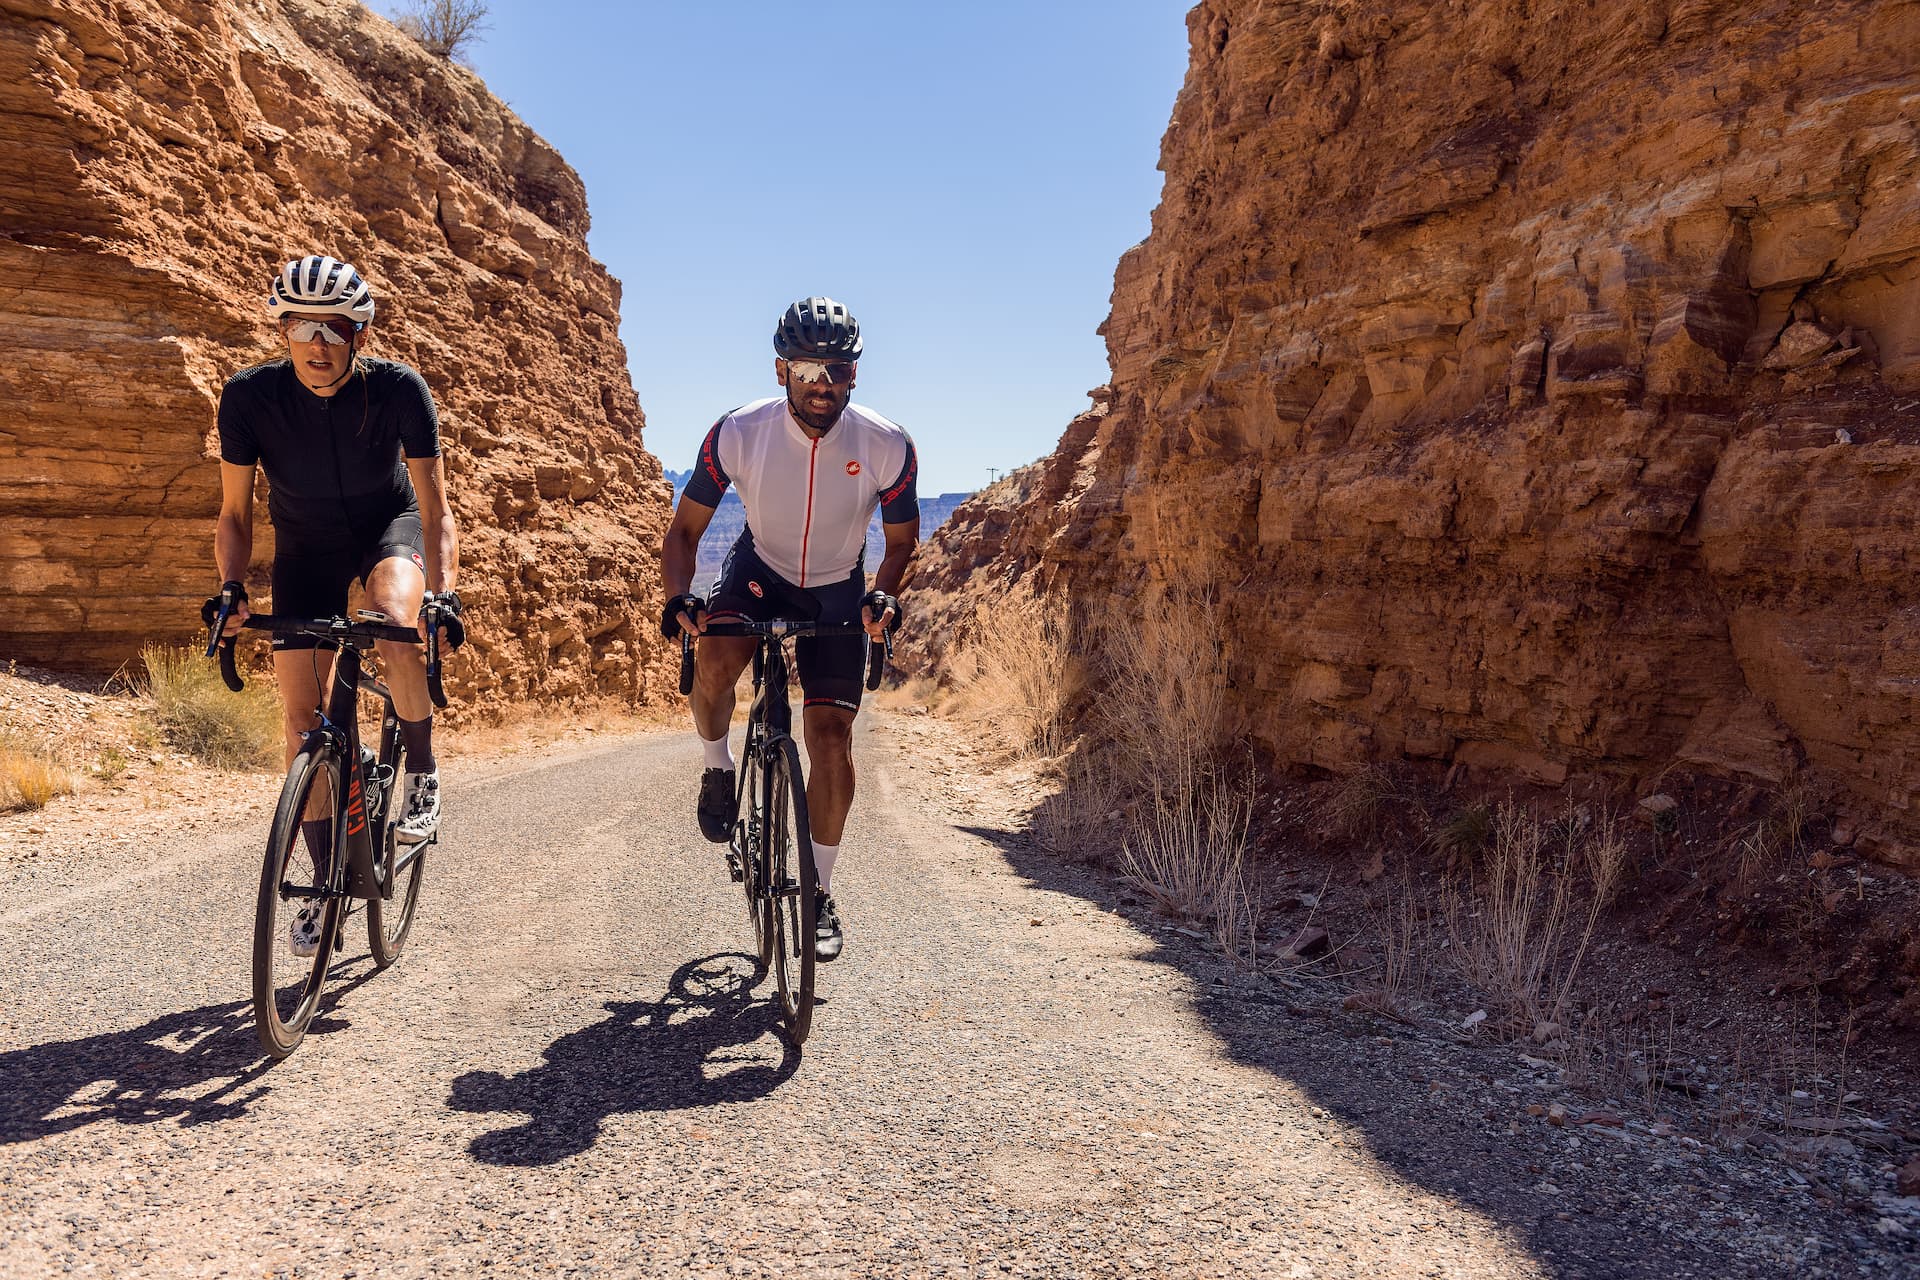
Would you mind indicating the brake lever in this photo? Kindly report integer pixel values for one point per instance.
(435, 689)
(219, 622)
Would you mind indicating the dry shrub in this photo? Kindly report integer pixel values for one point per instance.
(1397, 923)
(1366, 801)
(1187, 849)
(1163, 727)
(1164, 709)
(1464, 835)
(1083, 817)
(29, 776)
(1522, 936)
(203, 718)
(444, 28)
(1016, 675)
(1147, 772)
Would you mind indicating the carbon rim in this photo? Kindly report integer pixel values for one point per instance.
(286, 988)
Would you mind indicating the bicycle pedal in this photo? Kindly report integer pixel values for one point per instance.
(734, 869)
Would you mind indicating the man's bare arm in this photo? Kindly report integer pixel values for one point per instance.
(903, 543)
(682, 544)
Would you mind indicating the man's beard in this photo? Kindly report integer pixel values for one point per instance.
(818, 422)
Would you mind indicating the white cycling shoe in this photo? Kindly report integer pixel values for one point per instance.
(421, 817)
(303, 931)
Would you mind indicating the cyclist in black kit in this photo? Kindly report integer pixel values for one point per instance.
(351, 448)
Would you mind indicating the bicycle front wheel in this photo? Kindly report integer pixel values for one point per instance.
(405, 865)
(790, 870)
(752, 832)
(286, 986)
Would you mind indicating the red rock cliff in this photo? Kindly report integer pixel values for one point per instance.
(1538, 381)
(157, 162)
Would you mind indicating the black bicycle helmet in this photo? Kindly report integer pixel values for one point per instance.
(817, 329)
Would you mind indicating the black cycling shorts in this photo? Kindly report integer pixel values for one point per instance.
(315, 584)
(832, 668)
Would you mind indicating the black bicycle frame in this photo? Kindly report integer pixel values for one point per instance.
(339, 732)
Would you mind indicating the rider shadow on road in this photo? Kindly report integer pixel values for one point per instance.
(198, 1066)
(674, 1054)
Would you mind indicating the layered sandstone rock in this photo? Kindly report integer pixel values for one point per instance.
(1538, 383)
(158, 160)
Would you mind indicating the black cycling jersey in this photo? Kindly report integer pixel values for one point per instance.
(335, 465)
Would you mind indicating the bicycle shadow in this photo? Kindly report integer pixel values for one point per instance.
(197, 1066)
(647, 1056)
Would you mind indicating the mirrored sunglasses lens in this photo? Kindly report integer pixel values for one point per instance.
(837, 371)
(327, 332)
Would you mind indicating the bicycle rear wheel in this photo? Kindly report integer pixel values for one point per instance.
(389, 920)
(286, 987)
(789, 847)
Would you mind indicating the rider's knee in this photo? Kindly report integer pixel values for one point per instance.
(829, 733)
(712, 677)
(399, 604)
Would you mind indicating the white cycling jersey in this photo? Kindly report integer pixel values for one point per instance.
(808, 501)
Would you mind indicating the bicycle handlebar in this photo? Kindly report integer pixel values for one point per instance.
(338, 630)
(877, 651)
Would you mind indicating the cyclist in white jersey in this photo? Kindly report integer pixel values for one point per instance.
(811, 467)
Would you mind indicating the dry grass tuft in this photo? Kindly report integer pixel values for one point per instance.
(1146, 775)
(30, 778)
(1187, 849)
(202, 717)
(1521, 936)
(1016, 676)
(1464, 836)
(1164, 709)
(1368, 801)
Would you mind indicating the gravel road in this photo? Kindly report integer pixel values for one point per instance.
(570, 1073)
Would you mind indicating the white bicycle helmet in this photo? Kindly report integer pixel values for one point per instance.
(321, 284)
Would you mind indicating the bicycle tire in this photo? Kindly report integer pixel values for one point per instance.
(283, 1010)
(753, 858)
(390, 920)
(789, 838)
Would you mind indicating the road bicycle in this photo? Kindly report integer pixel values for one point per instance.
(771, 851)
(350, 790)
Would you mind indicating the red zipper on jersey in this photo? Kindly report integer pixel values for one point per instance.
(806, 530)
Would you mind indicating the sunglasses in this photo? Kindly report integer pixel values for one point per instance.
(836, 371)
(335, 333)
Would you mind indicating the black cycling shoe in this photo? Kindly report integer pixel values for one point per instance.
(827, 937)
(717, 805)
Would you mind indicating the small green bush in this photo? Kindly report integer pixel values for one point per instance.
(202, 717)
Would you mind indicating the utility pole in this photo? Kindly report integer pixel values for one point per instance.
(993, 475)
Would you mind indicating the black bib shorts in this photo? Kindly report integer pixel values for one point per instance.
(315, 585)
(832, 668)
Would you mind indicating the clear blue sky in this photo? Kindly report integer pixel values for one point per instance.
(964, 176)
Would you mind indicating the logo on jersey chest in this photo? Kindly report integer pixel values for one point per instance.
(853, 468)
(754, 587)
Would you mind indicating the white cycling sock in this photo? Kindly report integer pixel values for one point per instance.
(719, 756)
(823, 856)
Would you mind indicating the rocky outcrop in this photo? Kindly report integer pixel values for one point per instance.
(157, 162)
(1537, 383)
